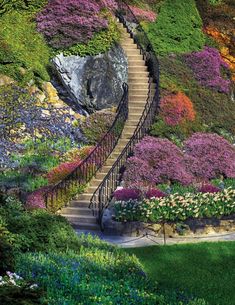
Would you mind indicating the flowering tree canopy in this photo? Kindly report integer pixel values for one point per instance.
(210, 155)
(156, 160)
(65, 23)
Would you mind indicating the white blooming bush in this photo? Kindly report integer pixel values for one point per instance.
(177, 207)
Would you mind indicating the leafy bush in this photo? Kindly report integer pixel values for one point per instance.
(210, 155)
(177, 207)
(23, 52)
(207, 68)
(21, 5)
(126, 194)
(177, 28)
(78, 153)
(96, 125)
(155, 161)
(177, 109)
(37, 230)
(65, 23)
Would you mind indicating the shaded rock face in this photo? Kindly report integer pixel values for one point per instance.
(93, 82)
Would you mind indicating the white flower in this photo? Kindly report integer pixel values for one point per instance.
(33, 286)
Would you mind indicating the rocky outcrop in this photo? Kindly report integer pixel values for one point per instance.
(93, 82)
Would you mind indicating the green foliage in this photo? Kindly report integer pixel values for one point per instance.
(215, 2)
(36, 230)
(100, 43)
(31, 6)
(177, 28)
(23, 53)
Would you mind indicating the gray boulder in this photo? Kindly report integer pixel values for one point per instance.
(93, 82)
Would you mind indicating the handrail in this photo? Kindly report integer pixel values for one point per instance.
(103, 194)
(56, 197)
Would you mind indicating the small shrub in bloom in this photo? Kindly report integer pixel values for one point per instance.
(209, 155)
(143, 15)
(36, 200)
(155, 161)
(154, 193)
(177, 109)
(209, 188)
(61, 171)
(207, 67)
(65, 23)
(126, 194)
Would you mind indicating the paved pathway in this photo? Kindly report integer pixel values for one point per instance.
(149, 240)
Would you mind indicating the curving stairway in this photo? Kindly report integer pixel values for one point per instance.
(78, 212)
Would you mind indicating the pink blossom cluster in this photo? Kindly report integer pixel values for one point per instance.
(204, 156)
(210, 155)
(143, 14)
(61, 171)
(209, 188)
(126, 194)
(64, 23)
(155, 161)
(36, 200)
(207, 67)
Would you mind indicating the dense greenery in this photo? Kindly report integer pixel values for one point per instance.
(30, 6)
(177, 28)
(201, 269)
(23, 53)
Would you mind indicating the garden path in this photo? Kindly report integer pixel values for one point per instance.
(145, 241)
(78, 212)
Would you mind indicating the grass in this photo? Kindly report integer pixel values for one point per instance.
(205, 270)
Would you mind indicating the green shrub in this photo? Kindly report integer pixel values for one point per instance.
(31, 6)
(37, 230)
(178, 28)
(23, 52)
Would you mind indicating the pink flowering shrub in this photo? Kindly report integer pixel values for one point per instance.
(36, 200)
(209, 155)
(65, 23)
(207, 68)
(143, 15)
(209, 188)
(61, 171)
(156, 160)
(126, 194)
(155, 193)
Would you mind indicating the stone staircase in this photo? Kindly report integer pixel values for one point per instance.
(78, 212)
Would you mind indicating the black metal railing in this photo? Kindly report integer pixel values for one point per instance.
(103, 194)
(59, 195)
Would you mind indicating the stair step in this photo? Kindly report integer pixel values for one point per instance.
(133, 98)
(79, 203)
(139, 91)
(80, 218)
(85, 197)
(141, 85)
(85, 211)
(138, 75)
(86, 226)
(138, 69)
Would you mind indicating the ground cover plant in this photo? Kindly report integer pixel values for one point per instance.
(174, 31)
(203, 269)
(24, 54)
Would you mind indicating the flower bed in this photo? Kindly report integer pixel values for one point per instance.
(177, 207)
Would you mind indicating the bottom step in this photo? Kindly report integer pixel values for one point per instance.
(86, 226)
